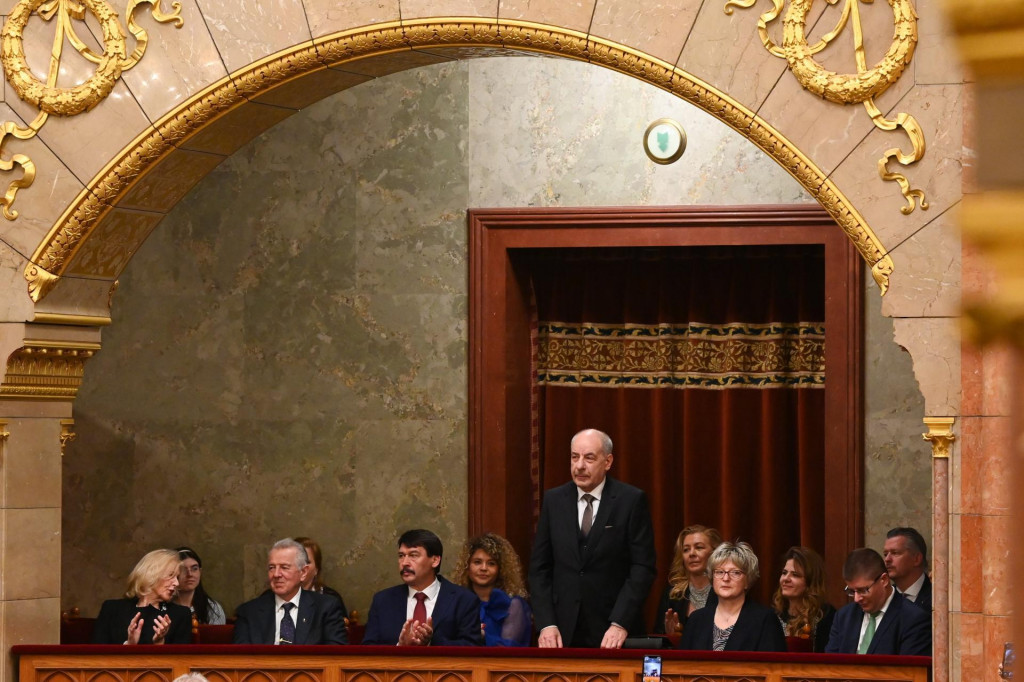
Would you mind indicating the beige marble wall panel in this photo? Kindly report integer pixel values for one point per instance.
(658, 27)
(77, 296)
(165, 184)
(178, 63)
(114, 241)
(248, 30)
(934, 345)
(31, 554)
(313, 87)
(573, 14)
(938, 109)
(15, 304)
(32, 464)
(40, 204)
(417, 9)
(936, 59)
(926, 279)
(970, 160)
(32, 621)
(726, 51)
(955, 558)
(330, 16)
(87, 142)
(235, 128)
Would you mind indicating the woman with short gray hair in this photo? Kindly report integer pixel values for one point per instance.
(736, 622)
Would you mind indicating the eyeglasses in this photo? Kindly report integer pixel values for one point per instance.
(862, 591)
(735, 574)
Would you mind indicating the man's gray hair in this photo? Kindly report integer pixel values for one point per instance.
(191, 677)
(301, 559)
(606, 440)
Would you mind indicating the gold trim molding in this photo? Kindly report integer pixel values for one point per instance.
(46, 370)
(940, 435)
(854, 88)
(452, 36)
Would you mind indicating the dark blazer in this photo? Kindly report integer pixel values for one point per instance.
(756, 629)
(319, 620)
(905, 630)
(456, 616)
(924, 597)
(583, 588)
(116, 614)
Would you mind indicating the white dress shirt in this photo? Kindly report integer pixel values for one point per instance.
(279, 613)
(431, 591)
(914, 589)
(581, 504)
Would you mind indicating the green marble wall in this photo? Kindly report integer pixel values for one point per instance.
(288, 353)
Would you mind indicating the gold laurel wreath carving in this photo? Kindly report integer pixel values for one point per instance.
(859, 88)
(47, 96)
(80, 218)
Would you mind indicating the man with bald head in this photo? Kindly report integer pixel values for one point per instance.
(594, 549)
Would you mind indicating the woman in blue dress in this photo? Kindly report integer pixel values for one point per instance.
(490, 567)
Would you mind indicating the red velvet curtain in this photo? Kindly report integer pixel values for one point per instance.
(727, 432)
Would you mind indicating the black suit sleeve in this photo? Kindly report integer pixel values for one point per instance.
(333, 629)
(542, 566)
(244, 629)
(180, 631)
(373, 634)
(916, 637)
(466, 616)
(107, 624)
(771, 637)
(642, 569)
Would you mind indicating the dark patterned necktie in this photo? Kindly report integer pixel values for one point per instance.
(588, 515)
(419, 612)
(287, 625)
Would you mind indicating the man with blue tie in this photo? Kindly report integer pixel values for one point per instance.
(286, 613)
(425, 609)
(879, 620)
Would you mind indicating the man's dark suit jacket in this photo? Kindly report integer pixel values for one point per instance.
(456, 616)
(924, 597)
(756, 629)
(319, 620)
(905, 630)
(585, 588)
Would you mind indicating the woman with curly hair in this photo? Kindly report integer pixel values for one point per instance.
(490, 567)
(689, 587)
(800, 599)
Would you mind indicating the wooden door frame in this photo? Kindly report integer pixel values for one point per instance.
(500, 493)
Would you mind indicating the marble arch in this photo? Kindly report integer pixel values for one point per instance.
(107, 178)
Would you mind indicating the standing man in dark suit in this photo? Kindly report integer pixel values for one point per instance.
(426, 608)
(906, 559)
(288, 614)
(880, 620)
(593, 556)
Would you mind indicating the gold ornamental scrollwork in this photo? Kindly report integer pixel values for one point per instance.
(859, 88)
(940, 435)
(47, 96)
(67, 433)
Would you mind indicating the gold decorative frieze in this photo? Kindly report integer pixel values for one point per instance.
(940, 435)
(67, 433)
(393, 43)
(46, 370)
(853, 88)
(67, 17)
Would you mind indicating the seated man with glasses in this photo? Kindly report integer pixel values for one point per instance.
(879, 620)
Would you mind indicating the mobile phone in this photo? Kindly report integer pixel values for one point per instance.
(652, 668)
(1006, 669)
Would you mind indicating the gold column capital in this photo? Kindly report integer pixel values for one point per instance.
(4, 433)
(67, 433)
(940, 435)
